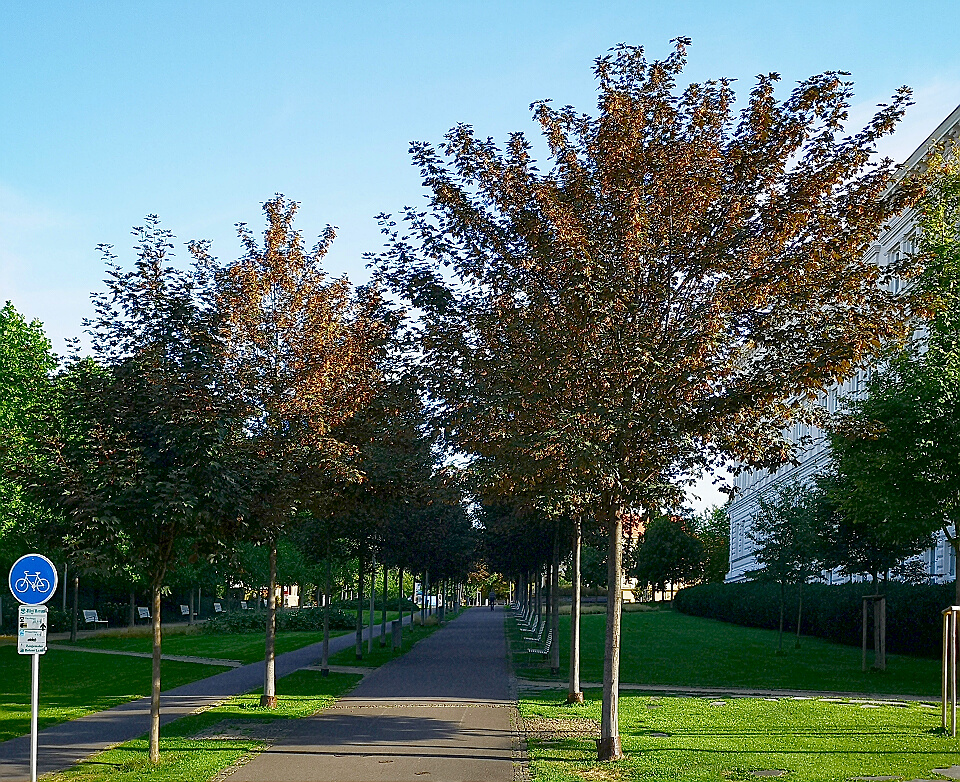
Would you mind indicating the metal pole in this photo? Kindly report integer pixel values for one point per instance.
(943, 673)
(34, 708)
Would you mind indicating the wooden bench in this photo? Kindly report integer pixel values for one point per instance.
(91, 618)
(217, 608)
(143, 612)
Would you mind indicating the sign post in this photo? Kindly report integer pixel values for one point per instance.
(33, 580)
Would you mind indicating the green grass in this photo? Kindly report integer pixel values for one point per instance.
(186, 758)
(245, 647)
(74, 683)
(813, 740)
(670, 648)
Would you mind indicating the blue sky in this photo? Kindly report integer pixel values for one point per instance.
(199, 111)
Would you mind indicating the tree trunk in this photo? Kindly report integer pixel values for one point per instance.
(132, 619)
(66, 566)
(358, 643)
(574, 694)
(400, 601)
(608, 746)
(426, 592)
(325, 655)
(76, 600)
(799, 612)
(269, 697)
(783, 594)
(373, 603)
(555, 604)
(190, 607)
(383, 610)
(155, 678)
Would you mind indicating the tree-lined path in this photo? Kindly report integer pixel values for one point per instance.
(441, 712)
(61, 746)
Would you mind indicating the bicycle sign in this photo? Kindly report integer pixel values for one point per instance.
(33, 579)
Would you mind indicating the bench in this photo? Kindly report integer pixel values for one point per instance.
(243, 605)
(91, 618)
(217, 608)
(143, 612)
(546, 647)
(184, 610)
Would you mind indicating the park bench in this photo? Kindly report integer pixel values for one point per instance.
(91, 618)
(243, 605)
(143, 612)
(536, 637)
(217, 608)
(546, 647)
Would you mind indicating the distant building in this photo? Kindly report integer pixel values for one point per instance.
(897, 238)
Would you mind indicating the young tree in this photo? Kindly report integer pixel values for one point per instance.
(142, 461)
(660, 297)
(300, 352)
(784, 531)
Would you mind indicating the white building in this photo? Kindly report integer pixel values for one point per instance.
(896, 239)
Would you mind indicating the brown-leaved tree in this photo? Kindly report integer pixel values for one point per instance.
(668, 292)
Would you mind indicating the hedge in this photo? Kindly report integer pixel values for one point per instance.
(287, 619)
(834, 612)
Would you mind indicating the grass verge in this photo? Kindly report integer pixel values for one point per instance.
(200, 746)
(74, 683)
(696, 739)
(245, 647)
(670, 648)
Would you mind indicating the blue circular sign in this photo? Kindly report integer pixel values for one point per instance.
(33, 579)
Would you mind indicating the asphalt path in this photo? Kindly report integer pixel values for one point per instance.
(444, 711)
(61, 746)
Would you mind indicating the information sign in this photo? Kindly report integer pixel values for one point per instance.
(33, 579)
(32, 630)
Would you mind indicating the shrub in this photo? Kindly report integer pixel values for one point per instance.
(294, 619)
(833, 612)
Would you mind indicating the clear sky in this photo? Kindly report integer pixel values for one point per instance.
(200, 111)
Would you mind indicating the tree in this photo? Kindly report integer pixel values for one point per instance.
(712, 528)
(26, 393)
(668, 553)
(300, 353)
(784, 531)
(897, 449)
(666, 294)
(141, 460)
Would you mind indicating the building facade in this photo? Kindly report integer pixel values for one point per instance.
(897, 238)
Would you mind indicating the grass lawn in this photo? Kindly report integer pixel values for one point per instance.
(245, 647)
(670, 648)
(730, 738)
(197, 747)
(73, 684)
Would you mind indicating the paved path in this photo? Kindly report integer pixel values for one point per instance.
(60, 746)
(442, 712)
(180, 658)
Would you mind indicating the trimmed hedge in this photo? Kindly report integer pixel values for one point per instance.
(914, 624)
(287, 619)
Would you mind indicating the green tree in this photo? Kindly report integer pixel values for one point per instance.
(897, 449)
(142, 464)
(669, 553)
(785, 533)
(712, 528)
(659, 297)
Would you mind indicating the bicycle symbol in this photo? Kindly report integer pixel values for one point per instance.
(34, 581)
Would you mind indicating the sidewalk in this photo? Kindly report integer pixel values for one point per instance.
(60, 746)
(444, 711)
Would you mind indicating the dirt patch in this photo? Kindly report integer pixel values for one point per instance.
(242, 729)
(554, 728)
